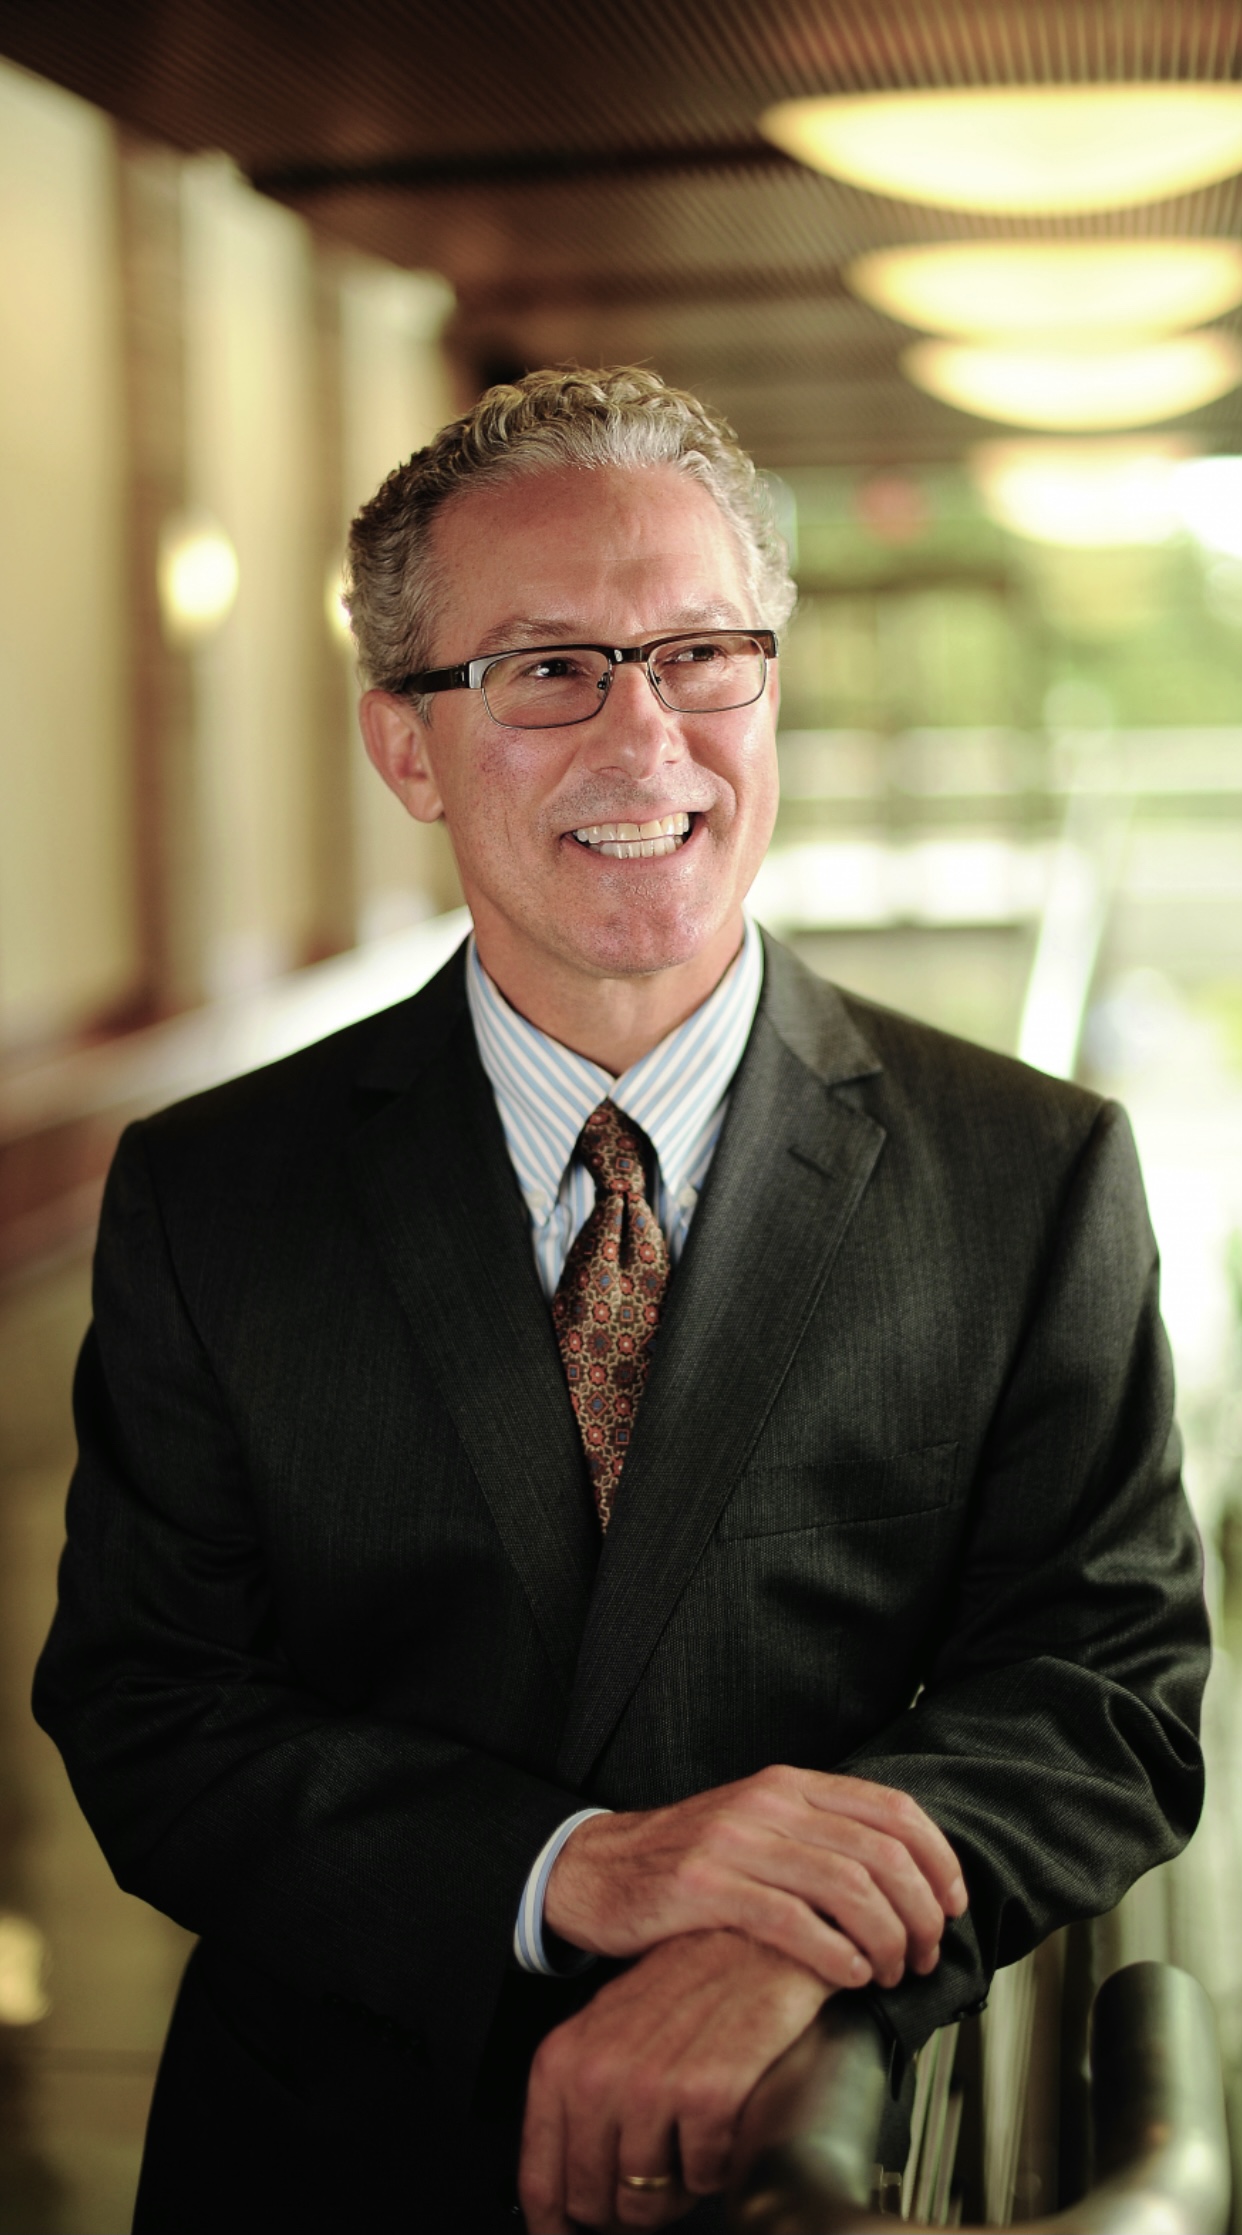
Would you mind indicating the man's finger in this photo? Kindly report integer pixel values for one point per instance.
(649, 2190)
(873, 1876)
(707, 2129)
(787, 1924)
(591, 2141)
(895, 1813)
(541, 2174)
(651, 2210)
(753, 1861)
(824, 1908)
(861, 1909)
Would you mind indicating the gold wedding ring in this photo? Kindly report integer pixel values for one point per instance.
(645, 2180)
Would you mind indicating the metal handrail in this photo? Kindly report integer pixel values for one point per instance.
(1157, 2104)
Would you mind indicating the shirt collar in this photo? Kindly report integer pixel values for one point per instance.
(545, 1092)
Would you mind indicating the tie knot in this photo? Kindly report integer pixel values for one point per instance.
(611, 1148)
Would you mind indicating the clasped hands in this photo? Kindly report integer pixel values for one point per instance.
(746, 1907)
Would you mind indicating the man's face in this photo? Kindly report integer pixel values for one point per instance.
(608, 556)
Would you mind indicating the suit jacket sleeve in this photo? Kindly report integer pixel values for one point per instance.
(363, 1855)
(1055, 1737)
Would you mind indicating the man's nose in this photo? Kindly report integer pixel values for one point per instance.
(634, 729)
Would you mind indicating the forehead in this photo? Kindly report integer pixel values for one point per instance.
(601, 549)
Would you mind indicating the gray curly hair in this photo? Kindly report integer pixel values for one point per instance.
(619, 416)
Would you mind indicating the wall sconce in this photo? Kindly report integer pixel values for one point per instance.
(198, 577)
(334, 608)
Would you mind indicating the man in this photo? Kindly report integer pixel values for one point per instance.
(631, 1376)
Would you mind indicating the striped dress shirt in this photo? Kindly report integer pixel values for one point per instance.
(678, 1093)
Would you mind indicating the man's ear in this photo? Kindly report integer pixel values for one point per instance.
(395, 736)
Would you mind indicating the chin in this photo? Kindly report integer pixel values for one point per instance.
(639, 943)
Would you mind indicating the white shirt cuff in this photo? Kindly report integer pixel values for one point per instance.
(528, 1944)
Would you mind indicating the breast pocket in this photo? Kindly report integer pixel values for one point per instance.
(772, 1500)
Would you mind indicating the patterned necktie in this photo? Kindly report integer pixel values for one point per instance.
(607, 1307)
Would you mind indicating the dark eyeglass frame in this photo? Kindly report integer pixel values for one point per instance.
(471, 675)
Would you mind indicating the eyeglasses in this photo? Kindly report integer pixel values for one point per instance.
(552, 686)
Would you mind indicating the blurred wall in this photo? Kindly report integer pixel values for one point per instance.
(395, 392)
(186, 811)
(68, 920)
(253, 464)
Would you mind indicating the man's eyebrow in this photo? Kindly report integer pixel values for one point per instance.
(522, 629)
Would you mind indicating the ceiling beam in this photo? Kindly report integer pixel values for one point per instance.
(526, 167)
(653, 290)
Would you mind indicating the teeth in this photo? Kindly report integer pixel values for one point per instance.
(634, 841)
(631, 849)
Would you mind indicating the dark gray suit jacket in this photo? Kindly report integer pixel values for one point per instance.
(338, 1645)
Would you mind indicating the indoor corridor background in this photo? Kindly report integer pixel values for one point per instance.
(1011, 755)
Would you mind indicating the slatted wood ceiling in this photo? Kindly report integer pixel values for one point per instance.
(590, 179)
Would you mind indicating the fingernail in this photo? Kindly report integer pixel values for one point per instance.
(860, 1969)
(957, 1897)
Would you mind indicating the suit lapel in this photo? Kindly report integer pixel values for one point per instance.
(791, 1166)
(434, 1179)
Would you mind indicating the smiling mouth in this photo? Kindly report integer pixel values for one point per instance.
(635, 841)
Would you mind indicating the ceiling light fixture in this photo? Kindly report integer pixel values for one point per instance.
(1056, 289)
(1081, 389)
(1032, 150)
(1087, 495)
(1208, 496)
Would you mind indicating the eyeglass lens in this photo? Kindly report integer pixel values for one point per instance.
(692, 675)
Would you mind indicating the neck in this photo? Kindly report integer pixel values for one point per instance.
(612, 1021)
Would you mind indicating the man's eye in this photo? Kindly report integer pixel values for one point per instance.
(552, 669)
(699, 654)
